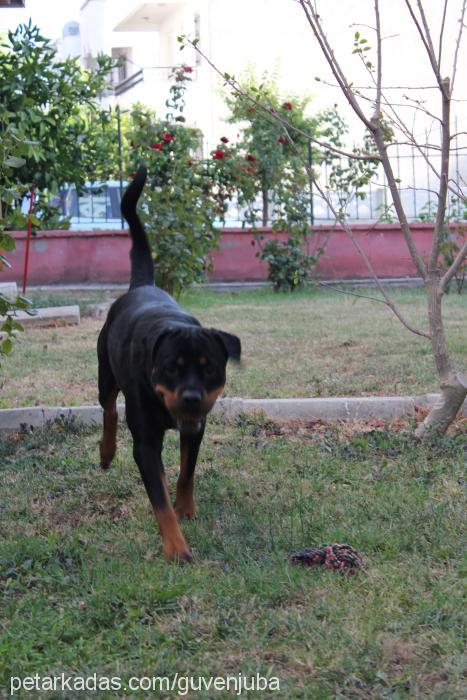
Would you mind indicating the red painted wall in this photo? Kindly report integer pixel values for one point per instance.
(68, 257)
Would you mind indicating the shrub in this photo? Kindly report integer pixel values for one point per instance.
(186, 195)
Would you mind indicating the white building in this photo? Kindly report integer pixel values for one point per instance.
(261, 35)
(272, 36)
(265, 35)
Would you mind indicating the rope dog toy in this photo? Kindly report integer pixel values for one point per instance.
(339, 557)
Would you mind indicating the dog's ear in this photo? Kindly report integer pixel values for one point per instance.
(231, 344)
(154, 340)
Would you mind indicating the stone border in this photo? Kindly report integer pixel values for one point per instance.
(339, 408)
(49, 316)
(245, 285)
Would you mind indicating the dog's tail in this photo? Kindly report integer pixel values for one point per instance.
(142, 266)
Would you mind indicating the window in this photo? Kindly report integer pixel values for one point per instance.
(123, 70)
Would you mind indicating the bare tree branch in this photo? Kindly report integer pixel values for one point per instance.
(343, 222)
(458, 43)
(385, 87)
(374, 126)
(275, 117)
(449, 274)
(397, 121)
(329, 285)
(419, 106)
(441, 32)
(382, 149)
(379, 62)
(315, 24)
(444, 179)
(432, 54)
(425, 36)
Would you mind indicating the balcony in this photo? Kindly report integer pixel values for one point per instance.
(147, 16)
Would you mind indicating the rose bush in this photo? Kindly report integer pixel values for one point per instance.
(187, 195)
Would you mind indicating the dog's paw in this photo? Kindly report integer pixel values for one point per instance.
(185, 502)
(185, 509)
(177, 554)
(174, 544)
(107, 454)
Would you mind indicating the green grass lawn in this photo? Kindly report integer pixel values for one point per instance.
(311, 343)
(84, 588)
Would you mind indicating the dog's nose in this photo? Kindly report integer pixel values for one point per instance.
(191, 398)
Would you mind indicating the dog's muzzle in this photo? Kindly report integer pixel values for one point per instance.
(189, 426)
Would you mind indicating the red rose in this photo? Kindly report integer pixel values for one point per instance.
(250, 109)
(157, 146)
(167, 138)
(224, 139)
(219, 154)
(287, 105)
(281, 140)
(251, 158)
(187, 69)
(132, 174)
(189, 162)
(272, 110)
(250, 170)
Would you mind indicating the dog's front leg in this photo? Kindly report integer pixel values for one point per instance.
(184, 501)
(147, 451)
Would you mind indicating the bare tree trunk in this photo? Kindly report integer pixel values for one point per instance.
(453, 384)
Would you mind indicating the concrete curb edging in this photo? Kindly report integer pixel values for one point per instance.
(50, 316)
(338, 408)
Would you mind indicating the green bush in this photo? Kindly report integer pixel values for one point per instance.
(186, 195)
(51, 104)
(288, 266)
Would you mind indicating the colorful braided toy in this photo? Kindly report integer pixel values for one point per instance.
(339, 557)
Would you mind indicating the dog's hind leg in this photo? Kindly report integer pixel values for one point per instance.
(108, 392)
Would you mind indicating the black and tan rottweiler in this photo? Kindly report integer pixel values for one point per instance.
(171, 371)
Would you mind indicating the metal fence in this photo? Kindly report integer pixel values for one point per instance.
(99, 204)
(417, 184)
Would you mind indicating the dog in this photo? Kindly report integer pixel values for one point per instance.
(170, 370)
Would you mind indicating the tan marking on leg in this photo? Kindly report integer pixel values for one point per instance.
(184, 500)
(173, 542)
(108, 444)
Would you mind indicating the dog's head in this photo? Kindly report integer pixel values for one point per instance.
(188, 371)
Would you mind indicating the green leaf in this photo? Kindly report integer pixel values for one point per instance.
(7, 242)
(14, 161)
(7, 346)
